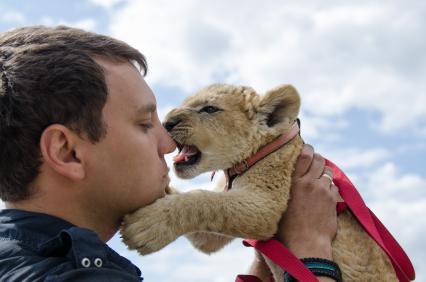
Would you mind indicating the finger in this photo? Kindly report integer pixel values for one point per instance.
(325, 182)
(304, 161)
(326, 178)
(336, 195)
(328, 173)
(317, 167)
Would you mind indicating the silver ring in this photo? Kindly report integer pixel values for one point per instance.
(328, 176)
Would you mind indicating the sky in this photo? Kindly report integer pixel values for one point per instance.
(359, 67)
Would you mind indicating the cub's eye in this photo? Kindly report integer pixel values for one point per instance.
(209, 109)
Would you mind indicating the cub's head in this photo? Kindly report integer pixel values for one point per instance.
(221, 125)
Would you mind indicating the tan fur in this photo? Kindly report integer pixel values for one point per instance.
(258, 198)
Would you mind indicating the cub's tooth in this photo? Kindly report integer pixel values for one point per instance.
(186, 158)
(184, 149)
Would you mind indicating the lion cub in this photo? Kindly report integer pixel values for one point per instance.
(221, 126)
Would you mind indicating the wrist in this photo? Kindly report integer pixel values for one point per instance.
(326, 269)
(260, 269)
(313, 247)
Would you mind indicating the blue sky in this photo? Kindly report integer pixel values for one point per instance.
(359, 66)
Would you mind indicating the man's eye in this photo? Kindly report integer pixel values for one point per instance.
(146, 126)
(209, 109)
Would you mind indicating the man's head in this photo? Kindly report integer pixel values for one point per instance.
(61, 90)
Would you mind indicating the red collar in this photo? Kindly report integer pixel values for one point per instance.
(242, 167)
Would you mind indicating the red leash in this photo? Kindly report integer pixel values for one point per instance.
(281, 256)
(400, 261)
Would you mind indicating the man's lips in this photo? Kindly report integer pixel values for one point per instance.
(166, 175)
(167, 178)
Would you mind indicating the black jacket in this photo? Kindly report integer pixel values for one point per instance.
(40, 247)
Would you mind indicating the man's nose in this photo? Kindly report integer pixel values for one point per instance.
(167, 144)
(171, 123)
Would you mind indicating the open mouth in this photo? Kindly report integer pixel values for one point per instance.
(188, 155)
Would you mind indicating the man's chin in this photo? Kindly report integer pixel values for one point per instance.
(166, 189)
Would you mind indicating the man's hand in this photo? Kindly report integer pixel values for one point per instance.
(309, 224)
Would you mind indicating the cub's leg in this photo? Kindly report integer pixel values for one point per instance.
(208, 242)
(250, 214)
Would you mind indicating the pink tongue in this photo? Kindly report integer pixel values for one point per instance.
(186, 152)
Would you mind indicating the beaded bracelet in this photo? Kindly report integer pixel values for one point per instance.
(319, 267)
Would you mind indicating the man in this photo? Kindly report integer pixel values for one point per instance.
(81, 145)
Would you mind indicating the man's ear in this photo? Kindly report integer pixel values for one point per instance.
(59, 150)
(279, 107)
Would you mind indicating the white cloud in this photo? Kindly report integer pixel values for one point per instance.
(11, 16)
(320, 127)
(389, 184)
(162, 112)
(108, 4)
(340, 56)
(353, 158)
(220, 267)
(86, 24)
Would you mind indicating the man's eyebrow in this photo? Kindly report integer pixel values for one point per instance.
(146, 109)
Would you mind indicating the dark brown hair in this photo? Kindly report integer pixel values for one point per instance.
(49, 76)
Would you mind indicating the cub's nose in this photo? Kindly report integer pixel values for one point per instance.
(171, 123)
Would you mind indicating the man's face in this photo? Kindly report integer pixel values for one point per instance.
(127, 167)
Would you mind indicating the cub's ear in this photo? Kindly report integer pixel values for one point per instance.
(279, 107)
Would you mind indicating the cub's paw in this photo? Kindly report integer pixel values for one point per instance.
(150, 228)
